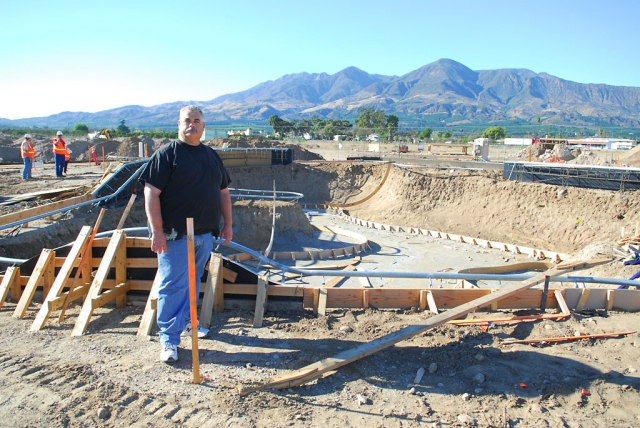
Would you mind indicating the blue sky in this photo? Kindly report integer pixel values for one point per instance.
(69, 55)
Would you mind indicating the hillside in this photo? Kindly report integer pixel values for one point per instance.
(445, 88)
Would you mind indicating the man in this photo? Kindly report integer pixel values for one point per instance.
(183, 179)
(59, 152)
(28, 153)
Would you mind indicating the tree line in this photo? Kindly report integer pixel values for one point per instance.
(369, 121)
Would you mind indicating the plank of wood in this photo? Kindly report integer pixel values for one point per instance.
(366, 349)
(126, 211)
(338, 279)
(78, 248)
(229, 275)
(322, 302)
(432, 303)
(584, 297)
(610, 298)
(509, 319)
(423, 300)
(206, 307)
(113, 294)
(117, 240)
(218, 290)
(11, 276)
(316, 301)
(121, 273)
(365, 299)
(42, 209)
(75, 294)
(45, 259)
(562, 304)
(261, 298)
(567, 338)
(149, 314)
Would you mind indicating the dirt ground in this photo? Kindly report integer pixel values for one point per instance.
(111, 377)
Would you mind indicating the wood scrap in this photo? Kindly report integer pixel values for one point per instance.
(346, 357)
(567, 338)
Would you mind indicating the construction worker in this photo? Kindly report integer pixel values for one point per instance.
(28, 153)
(59, 152)
(67, 157)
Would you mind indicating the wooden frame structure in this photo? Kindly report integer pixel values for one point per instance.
(222, 282)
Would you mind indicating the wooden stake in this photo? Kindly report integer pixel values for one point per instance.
(213, 291)
(11, 276)
(118, 240)
(261, 298)
(193, 300)
(584, 297)
(84, 267)
(39, 272)
(562, 304)
(125, 214)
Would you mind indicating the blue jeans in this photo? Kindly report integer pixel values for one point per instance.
(59, 164)
(26, 170)
(173, 292)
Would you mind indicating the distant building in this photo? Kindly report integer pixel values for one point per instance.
(373, 137)
(518, 141)
(248, 132)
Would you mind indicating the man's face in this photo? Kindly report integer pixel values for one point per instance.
(190, 127)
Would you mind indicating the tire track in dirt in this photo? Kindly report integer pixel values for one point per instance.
(74, 394)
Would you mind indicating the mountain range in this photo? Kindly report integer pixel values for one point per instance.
(445, 90)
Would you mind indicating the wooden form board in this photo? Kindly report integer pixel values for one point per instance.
(213, 299)
(316, 370)
(150, 310)
(72, 259)
(32, 212)
(115, 253)
(10, 282)
(516, 249)
(42, 275)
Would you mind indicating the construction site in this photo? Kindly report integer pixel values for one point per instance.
(421, 288)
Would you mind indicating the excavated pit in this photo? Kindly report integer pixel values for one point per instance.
(479, 204)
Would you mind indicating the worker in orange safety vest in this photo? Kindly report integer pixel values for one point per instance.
(67, 158)
(28, 153)
(59, 152)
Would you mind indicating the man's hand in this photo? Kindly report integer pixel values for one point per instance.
(158, 243)
(226, 234)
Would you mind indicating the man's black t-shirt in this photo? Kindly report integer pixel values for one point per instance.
(189, 179)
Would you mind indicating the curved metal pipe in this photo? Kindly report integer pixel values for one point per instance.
(93, 201)
(265, 194)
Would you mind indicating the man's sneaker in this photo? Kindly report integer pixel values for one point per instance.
(169, 353)
(202, 332)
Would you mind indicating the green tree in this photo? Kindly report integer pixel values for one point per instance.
(370, 119)
(280, 126)
(81, 127)
(425, 133)
(123, 128)
(392, 125)
(447, 134)
(494, 133)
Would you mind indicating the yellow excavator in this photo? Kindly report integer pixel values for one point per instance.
(104, 134)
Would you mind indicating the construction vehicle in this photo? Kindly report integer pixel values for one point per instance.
(403, 149)
(104, 134)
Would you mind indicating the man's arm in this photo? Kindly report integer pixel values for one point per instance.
(225, 208)
(154, 216)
